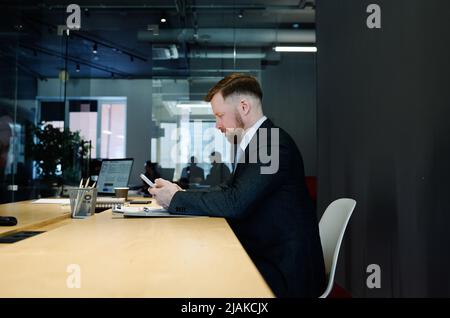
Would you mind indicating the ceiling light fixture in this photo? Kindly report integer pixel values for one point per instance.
(193, 104)
(163, 20)
(94, 48)
(295, 49)
(78, 68)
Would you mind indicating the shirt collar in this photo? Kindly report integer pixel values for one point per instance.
(250, 133)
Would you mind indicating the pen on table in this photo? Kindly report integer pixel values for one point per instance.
(77, 200)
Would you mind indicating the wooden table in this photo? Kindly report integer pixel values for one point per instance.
(32, 216)
(110, 256)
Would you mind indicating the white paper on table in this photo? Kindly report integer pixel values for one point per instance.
(134, 209)
(52, 201)
(145, 211)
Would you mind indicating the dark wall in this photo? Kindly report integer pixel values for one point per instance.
(384, 139)
(289, 89)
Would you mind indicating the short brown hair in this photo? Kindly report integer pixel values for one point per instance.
(236, 83)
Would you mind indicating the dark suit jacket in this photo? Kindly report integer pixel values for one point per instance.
(271, 214)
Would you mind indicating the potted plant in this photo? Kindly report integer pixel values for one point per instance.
(58, 155)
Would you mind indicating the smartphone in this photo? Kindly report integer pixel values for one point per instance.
(147, 180)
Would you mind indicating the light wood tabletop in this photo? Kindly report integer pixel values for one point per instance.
(30, 215)
(108, 256)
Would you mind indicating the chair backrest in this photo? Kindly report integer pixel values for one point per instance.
(332, 227)
(167, 173)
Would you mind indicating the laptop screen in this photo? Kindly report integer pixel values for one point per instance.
(114, 173)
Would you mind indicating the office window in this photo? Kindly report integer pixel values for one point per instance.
(101, 121)
(113, 124)
(185, 125)
(83, 118)
(167, 144)
(193, 138)
(204, 139)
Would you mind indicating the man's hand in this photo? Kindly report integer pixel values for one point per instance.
(164, 191)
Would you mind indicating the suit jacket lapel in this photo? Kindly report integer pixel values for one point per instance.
(267, 124)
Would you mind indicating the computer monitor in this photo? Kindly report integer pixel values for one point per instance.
(114, 173)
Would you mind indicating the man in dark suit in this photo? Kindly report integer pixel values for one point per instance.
(266, 204)
(219, 171)
(192, 173)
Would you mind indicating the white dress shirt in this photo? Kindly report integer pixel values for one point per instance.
(248, 135)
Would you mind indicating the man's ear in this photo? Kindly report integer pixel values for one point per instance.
(244, 106)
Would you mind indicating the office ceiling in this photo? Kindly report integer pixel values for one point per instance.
(199, 37)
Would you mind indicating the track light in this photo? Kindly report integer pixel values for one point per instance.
(241, 14)
(295, 49)
(163, 20)
(78, 68)
(94, 48)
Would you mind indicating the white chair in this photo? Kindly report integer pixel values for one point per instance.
(332, 227)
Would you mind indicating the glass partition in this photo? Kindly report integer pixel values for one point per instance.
(130, 83)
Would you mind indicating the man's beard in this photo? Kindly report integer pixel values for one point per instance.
(234, 135)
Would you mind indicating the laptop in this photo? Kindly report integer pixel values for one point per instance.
(114, 173)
